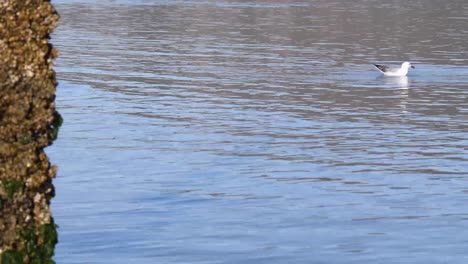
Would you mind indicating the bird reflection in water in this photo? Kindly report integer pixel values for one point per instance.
(400, 85)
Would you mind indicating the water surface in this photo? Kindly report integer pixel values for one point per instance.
(259, 132)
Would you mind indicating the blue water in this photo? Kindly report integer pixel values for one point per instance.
(259, 132)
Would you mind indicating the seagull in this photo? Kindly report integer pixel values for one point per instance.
(402, 71)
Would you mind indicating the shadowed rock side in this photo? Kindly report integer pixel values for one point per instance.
(28, 124)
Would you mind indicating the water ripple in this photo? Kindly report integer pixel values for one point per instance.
(258, 132)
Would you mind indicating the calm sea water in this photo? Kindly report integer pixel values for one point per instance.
(258, 132)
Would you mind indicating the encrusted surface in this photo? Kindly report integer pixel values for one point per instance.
(28, 122)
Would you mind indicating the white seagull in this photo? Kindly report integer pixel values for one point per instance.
(402, 71)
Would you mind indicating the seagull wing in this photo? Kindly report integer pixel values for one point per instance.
(382, 68)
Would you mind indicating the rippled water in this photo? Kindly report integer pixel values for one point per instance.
(259, 132)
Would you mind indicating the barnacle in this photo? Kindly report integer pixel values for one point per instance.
(28, 124)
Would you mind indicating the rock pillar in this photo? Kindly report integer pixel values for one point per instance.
(28, 124)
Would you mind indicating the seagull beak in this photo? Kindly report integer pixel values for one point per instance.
(413, 67)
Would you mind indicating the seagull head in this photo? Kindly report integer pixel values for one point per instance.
(406, 65)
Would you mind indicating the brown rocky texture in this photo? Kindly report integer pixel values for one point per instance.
(28, 124)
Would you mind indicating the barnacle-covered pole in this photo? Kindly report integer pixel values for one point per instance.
(28, 124)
